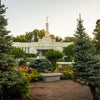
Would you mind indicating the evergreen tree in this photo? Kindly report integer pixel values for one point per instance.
(6, 62)
(9, 77)
(97, 36)
(86, 67)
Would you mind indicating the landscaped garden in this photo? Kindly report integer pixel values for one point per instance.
(65, 88)
(19, 81)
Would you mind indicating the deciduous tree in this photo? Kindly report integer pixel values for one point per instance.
(69, 39)
(52, 36)
(54, 56)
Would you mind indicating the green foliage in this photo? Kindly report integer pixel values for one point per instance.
(14, 83)
(30, 55)
(97, 31)
(29, 36)
(6, 61)
(41, 33)
(68, 51)
(36, 32)
(54, 56)
(22, 62)
(41, 65)
(69, 39)
(68, 58)
(17, 52)
(58, 39)
(20, 38)
(86, 66)
(67, 72)
(96, 34)
(8, 78)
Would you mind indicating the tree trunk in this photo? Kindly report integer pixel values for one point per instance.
(1, 94)
(93, 91)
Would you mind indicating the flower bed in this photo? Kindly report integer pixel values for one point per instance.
(34, 76)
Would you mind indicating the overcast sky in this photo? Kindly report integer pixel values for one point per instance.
(27, 15)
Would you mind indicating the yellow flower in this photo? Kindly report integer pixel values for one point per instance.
(69, 72)
(56, 70)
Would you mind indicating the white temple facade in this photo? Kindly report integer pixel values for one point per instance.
(43, 45)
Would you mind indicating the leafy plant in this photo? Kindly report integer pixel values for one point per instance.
(41, 65)
(54, 56)
(68, 51)
(15, 84)
(17, 52)
(67, 72)
(31, 73)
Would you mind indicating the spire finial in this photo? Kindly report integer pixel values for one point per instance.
(47, 19)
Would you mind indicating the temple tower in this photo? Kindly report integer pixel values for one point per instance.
(47, 25)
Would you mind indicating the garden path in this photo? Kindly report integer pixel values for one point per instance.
(61, 90)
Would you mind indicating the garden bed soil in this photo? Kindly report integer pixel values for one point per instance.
(61, 90)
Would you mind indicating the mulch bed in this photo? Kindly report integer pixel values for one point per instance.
(61, 90)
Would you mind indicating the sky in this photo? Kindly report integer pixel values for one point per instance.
(27, 15)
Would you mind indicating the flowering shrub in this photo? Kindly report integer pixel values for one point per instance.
(67, 72)
(46, 71)
(31, 73)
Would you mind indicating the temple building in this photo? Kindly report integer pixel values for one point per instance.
(43, 45)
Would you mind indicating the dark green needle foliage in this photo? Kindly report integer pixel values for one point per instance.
(96, 34)
(86, 67)
(6, 61)
(9, 78)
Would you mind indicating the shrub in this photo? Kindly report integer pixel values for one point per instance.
(22, 62)
(54, 56)
(67, 72)
(68, 51)
(17, 86)
(31, 73)
(41, 65)
(17, 52)
(68, 58)
(30, 55)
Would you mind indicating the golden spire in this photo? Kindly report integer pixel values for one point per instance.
(47, 19)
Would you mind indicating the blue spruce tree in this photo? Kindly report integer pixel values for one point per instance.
(9, 78)
(86, 67)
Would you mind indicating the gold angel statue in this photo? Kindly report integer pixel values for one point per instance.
(47, 19)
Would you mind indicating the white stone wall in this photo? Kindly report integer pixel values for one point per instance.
(32, 47)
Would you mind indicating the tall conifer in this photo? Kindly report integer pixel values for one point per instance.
(9, 77)
(86, 66)
(6, 61)
(96, 34)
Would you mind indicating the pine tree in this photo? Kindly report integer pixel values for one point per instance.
(6, 62)
(9, 77)
(96, 34)
(86, 67)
